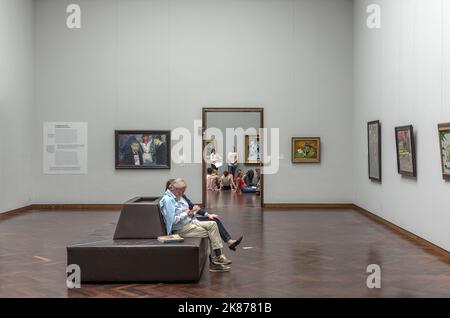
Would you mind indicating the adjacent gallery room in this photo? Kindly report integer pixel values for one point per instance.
(225, 148)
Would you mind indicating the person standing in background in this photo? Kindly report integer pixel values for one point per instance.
(215, 160)
(232, 162)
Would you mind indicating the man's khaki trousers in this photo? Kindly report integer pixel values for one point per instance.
(203, 229)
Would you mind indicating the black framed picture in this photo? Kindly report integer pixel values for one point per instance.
(406, 151)
(142, 149)
(444, 146)
(374, 150)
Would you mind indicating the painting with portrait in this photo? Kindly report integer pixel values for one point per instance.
(406, 151)
(252, 149)
(444, 146)
(374, 145)
(148, 149)
(305, 149)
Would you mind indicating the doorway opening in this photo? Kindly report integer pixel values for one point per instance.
(232, 169)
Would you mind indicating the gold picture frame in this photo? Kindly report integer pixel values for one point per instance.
(305, 150)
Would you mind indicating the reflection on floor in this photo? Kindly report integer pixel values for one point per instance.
(307, 253)
(220, 199)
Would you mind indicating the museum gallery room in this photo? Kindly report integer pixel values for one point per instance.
(225, 148)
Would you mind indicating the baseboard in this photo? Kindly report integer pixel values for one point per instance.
(308, 206)
(15, 211)
(411, 236)
(76, 207)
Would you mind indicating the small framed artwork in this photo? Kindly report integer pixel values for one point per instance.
(406, 151)
(252, 150)
(209, 146)
(305, 149)
(142, 149)
(374, 149)
(444, 146)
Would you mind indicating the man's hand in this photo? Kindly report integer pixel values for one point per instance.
(189, 212)
(213, 216)
(195, 208)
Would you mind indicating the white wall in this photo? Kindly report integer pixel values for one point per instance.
(153, 64)
(402, 74)
(16, 103)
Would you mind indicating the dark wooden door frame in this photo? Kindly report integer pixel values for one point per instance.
(206, 110)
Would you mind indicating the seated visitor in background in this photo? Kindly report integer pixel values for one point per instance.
(212, 180)
(179, 219)
(245, 183)
(227, 182)
(257, 180)
(248, 177)
(202, 215)
(240, 183)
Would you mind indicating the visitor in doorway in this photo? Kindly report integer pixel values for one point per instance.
(257, 180)
(215, 160)
(242, 186)
(202, 215)
(248, 178)
(240, 183)
(212, 180)
(232, 162)
(227, 182)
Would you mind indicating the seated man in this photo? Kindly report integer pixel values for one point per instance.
(202, 215)
(180, 220)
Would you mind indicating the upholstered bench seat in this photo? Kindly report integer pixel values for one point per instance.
(132, 253)
(139, 260)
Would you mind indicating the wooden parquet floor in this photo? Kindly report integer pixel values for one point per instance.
(304, 253)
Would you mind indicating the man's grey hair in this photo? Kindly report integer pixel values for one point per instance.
(178, 183)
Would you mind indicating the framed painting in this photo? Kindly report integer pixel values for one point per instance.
(406, 151)
(252, 149)
(305, 149)
(208, 146)
(374, 150)
(142, 149)
(444, 146)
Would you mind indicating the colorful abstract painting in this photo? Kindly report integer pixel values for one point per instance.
(305, 149)
(406, 152)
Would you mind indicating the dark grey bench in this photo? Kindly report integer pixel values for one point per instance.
(135, 255)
